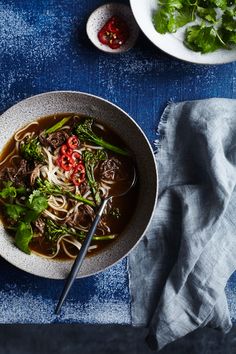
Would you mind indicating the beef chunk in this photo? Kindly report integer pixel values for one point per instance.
(83, 188)
(110, 169)
(83, 216)
(18, 175)
(39, 225)
(54, 139)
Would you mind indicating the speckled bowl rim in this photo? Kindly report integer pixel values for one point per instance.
(92, 265)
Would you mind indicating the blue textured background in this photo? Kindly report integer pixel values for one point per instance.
(44, 47)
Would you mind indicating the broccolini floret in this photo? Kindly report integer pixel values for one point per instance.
(31, 150)
(51, 189)
(85, 133)
(91, 159)
(54, 231)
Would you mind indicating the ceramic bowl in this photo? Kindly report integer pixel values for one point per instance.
(101, 15)
(172, 43)
(123, 125)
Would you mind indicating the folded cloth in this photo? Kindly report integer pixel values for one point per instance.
(179, 269)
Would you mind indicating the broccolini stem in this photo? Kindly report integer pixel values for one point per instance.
(103, 238)
(58, 125)
(80, 198)
(50, 189)
(99, 238)
(111, 147)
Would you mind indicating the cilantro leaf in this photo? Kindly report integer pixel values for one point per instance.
(161, 20)
(222, 4)
(37, 201)
(184, 16)
(14, 211)
(24, 215)
(229, 37)
(202, 39)
(169, 19)
(36, 204)
(208, 14)
(171, 4)
(9, 191)
(24, 234)
(228, 21)
(232, 38)
(230, 2)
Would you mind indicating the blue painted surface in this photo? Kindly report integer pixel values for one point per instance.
(44, 47)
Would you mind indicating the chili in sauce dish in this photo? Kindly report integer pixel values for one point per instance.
(112, 28)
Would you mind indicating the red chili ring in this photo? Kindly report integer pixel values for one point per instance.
(72, 142)
(78, 179)
(65, 162)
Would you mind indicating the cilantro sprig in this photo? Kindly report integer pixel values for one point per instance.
(215, 26)
(22, 212)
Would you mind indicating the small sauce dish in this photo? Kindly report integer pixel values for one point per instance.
(99, 18)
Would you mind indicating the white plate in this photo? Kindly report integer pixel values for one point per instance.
(173, 43)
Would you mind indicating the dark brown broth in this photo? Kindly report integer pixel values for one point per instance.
(126, 204)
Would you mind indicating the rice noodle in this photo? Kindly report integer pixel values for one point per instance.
(73, 242)
(105, 191)
(19, 132)
(93, 247)
(7, 157)
(50, 157)
(58, 203)
(99, 126)
(106, 181)
(52, 216)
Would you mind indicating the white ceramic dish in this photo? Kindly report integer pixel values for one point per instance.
(101, 15)
(173, 43)
(76, 102)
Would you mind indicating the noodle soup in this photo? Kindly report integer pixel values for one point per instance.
(54, 174)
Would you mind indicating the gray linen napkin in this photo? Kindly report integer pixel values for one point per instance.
(179, 270)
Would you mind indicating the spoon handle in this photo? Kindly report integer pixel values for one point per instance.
(79, 259)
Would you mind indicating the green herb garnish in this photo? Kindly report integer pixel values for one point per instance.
(217, 31)
(24, 214)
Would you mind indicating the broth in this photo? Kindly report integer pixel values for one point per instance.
(55, 181)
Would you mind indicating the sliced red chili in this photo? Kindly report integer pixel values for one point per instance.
(78, 176)
(76, 157)
(103, 36)
(72, 142)
(65, 150)
(111, 25)
(114, 33)
(117, 25)
(65, 162)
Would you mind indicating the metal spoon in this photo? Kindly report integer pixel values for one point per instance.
(83, 251)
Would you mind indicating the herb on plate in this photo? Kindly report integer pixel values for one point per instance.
(212, 23)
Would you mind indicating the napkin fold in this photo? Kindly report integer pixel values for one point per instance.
(179, 269)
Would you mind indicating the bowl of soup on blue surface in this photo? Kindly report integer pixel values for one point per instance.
(62, 152)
